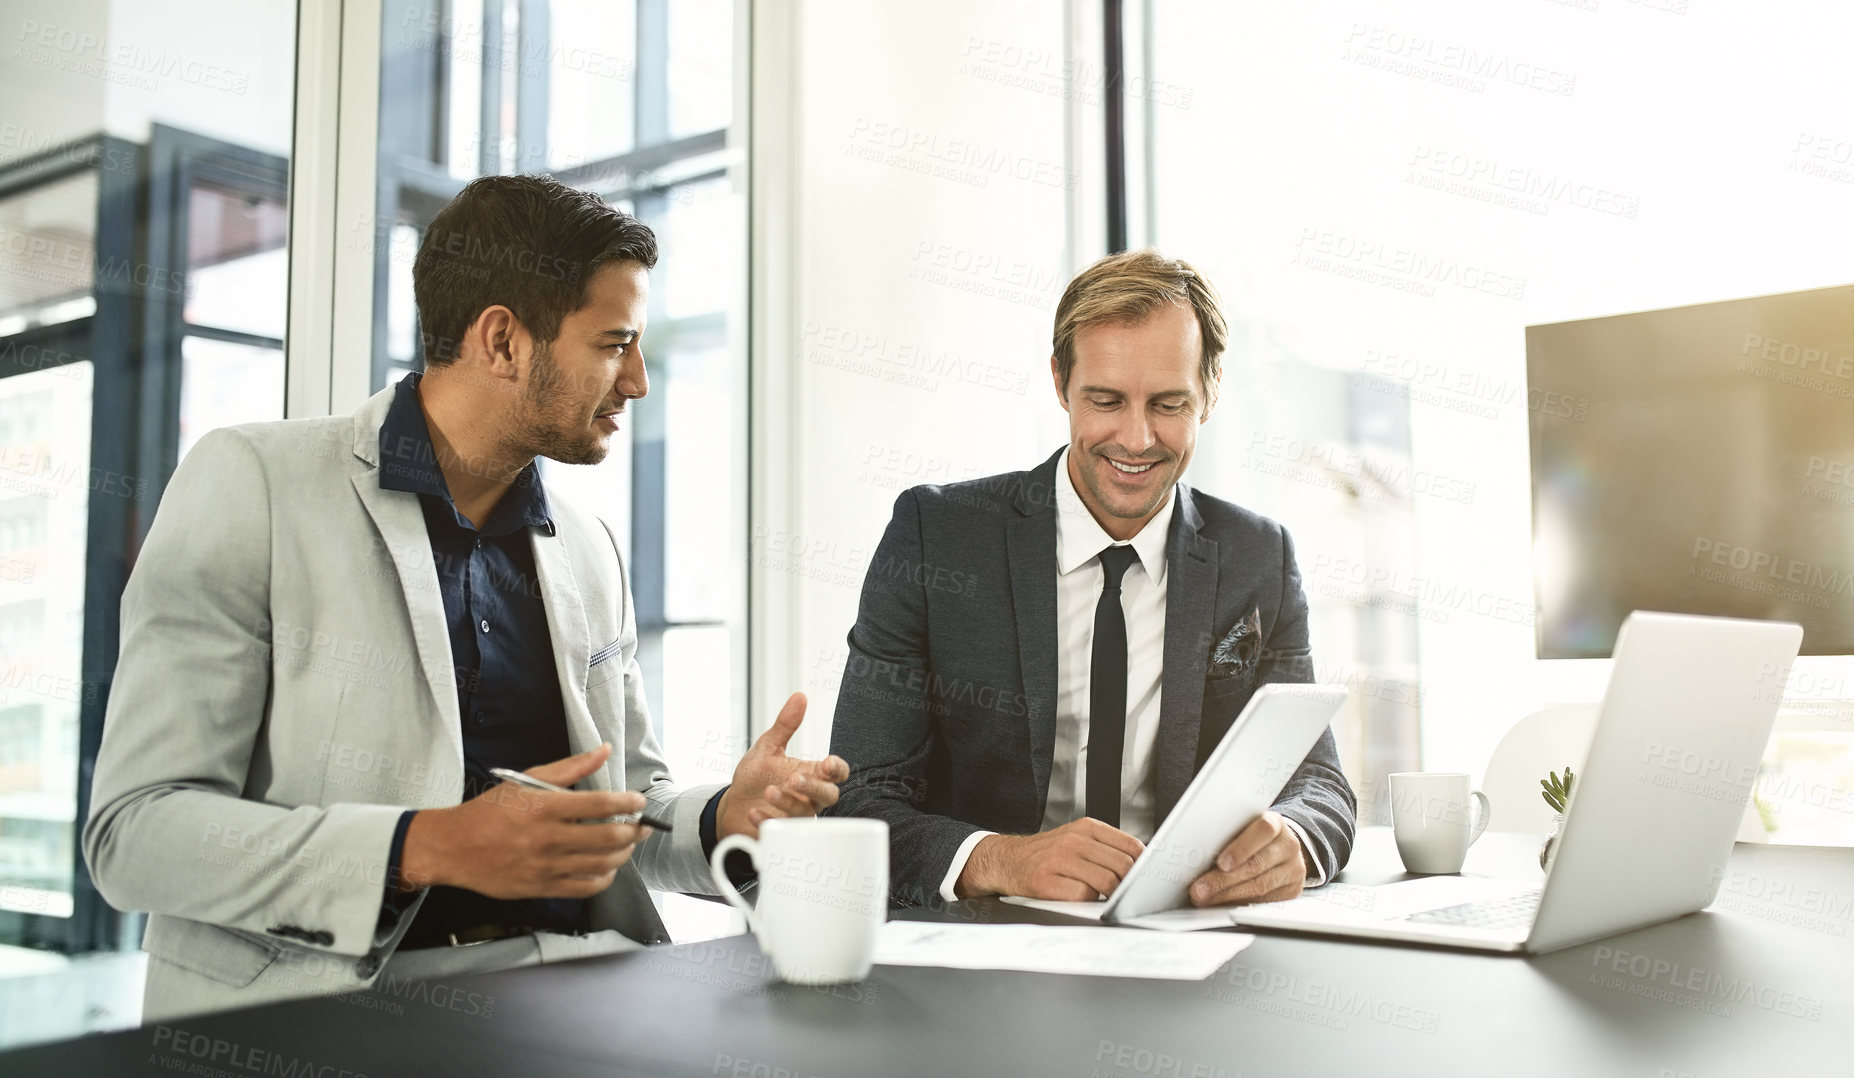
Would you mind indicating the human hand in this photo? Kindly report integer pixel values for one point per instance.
(1263, 863)
(768, 784)
(1077, 862)
(516, 842)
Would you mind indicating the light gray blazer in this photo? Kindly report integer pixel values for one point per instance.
(285, 690)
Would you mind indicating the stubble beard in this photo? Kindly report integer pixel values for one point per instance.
(547, 426)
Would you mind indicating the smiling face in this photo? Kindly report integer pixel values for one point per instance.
(1135, 399)
(579, 384)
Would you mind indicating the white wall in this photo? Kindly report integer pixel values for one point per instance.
(910, 245)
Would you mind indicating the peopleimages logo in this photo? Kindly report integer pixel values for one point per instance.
(1145, 1062)
(1700, 766)
(1316, 1003)
(1378, 261)
(178, 1045)
(1769, 572)
(1659, 978)
(1781, 901)
(1802, 358)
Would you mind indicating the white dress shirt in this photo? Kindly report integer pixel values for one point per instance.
(1079, 542)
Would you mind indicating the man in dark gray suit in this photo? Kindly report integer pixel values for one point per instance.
(1043, 659)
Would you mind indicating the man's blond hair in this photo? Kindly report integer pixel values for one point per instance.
(1129, 286)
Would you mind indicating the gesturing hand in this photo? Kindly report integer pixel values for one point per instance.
(768, 784)
(1263, 863)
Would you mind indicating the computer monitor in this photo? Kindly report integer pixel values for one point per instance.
(1695, 460)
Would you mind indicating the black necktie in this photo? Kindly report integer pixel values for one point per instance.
(1107, 690)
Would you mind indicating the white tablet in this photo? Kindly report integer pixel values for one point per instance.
(1258, 754)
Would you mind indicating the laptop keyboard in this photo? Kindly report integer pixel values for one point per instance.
(1516, 911)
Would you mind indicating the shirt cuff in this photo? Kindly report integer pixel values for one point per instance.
(1316, 873)
(948, 886)
(394, 902)
(711, 815)
(739, 866)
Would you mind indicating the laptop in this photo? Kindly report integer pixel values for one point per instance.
(1653, 813)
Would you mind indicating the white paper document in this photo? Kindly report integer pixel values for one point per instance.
(1190, 919)
(1086, 950)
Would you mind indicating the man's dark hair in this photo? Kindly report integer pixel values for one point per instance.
(529, 243)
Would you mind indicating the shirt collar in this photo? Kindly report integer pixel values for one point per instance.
(409, 463)
(1079, 537)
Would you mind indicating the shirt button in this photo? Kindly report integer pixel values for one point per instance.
(485, 624)
(479, 719)
(479, 544)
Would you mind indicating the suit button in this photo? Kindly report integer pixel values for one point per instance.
(367, 967)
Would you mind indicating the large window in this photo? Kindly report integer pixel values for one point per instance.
(143, 296)
(634, 100)
(143, 171)
(1387, 196)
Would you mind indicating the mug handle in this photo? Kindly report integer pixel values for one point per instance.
(716, 862)
(1482, 814)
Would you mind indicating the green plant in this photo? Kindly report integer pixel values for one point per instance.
(1765, 813)
(1557, 789)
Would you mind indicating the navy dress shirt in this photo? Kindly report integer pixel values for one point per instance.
(508, 693)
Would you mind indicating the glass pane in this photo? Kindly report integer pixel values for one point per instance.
(591, 102)
(701, 66)
(237, 266)
(603, 488)
(465, 108)
(704, 742)
(249, 294)
(401, 309)
(698, 453)
(47, 248)
(223, 383)
(45, 486)
(700, 223)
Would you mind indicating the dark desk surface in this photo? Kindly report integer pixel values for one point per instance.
(1757, 985)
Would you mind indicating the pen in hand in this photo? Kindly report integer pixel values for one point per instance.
(533, 783)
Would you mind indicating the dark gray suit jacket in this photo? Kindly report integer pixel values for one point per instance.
(947, 712)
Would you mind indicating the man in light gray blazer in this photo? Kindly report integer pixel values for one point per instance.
(337, 627)
(1043, 659)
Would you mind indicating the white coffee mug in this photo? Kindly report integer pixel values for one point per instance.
(1432, 820)
(822, 896)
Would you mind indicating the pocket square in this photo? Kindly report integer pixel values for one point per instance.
(1236, 654)
(605, 652)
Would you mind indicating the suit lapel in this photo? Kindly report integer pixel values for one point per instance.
(401, 524)
(1031, 543)
(566, 623)
(1190, 610)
